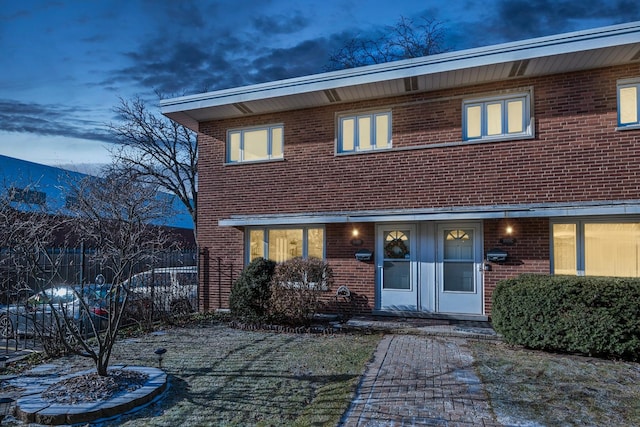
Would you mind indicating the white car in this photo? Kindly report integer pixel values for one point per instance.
(172, 289)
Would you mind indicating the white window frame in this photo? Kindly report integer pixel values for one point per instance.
(580, 237)
(270, 143)
(622, 84)
(305, 239)
(356, 139)
(483, 102)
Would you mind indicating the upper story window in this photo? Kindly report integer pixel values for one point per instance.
(501, 117)
(255, 144)
(364, 132)
(628, 103)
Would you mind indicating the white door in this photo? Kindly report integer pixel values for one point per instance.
(396, 261)
(459, 262)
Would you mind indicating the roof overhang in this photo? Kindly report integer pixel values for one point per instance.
(549, 210)
(601, 47)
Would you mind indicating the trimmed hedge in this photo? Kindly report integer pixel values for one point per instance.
(251, 292)
(596, 316)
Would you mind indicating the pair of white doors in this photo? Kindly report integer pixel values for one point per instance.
(430, 267)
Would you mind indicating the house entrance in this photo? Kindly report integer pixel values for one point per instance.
(430, 267)
(397, 267)
(458, 269)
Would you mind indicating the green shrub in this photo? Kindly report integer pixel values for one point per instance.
(250, 294)
(597, 316)
(298, 285)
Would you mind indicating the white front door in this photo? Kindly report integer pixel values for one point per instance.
(397, 270)
(459, 263)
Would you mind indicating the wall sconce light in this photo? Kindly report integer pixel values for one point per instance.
(508, 239)
(355, 239)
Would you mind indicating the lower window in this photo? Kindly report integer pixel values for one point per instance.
(282, 244)
(597, 248)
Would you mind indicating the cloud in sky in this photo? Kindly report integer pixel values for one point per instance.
(66, 63)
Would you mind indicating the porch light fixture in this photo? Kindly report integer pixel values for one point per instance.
(355, 240)
(5, 406)
(508, 240)
(160, 355)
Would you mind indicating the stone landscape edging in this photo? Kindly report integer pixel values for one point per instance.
(32, 408)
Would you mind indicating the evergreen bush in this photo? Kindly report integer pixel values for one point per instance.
(251, 292)
(597, 316)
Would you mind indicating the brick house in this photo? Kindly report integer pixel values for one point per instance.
(452, 171)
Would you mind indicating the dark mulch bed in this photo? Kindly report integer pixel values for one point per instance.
(93, 387)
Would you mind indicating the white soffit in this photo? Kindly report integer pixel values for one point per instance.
(576, 51)
(550, 210)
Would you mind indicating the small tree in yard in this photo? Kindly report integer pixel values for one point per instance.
(115, 215)
(298, 285)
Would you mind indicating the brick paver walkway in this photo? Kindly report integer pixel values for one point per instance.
(420, 380)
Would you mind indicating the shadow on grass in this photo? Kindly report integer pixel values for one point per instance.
(256, 379)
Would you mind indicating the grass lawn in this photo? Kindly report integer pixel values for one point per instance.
(534, 388)
(225, 377)
(221, 376)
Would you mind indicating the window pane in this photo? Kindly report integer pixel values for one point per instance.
(396, 275)
(458, 245)
(474, 121)
(315, 243)
(285, 244)
(564, 249)
(348, 131)
(364, 133)
(628, 105)
(382, 131)
(256, 244)
(276, 143)
(458, 277)
(494, 119)
(612, 249)
(255, 144)
(234, 147)
(515, 115)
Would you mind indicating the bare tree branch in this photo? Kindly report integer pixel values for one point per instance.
(405, 40)
(157, 151)
(115, 214)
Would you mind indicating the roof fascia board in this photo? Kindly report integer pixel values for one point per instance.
(450, 61)
(486, 212)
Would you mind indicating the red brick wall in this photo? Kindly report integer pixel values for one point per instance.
(576, 156)
(528, 254)
(358, 276)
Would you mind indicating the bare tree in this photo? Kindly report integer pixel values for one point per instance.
(26, 230)
(115, 215)
(157, 151)
(407, 39)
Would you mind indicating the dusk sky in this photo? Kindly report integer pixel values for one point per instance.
(65, 63)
